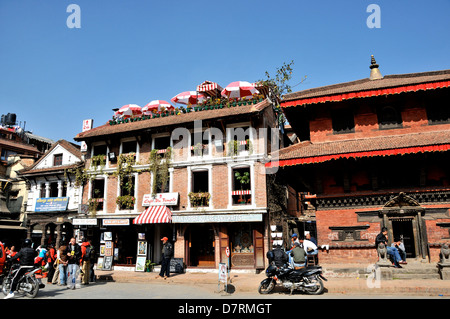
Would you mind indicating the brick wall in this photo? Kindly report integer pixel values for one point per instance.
(414, 117)
(220, 186)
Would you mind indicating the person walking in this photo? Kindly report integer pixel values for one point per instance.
(86, 261)
(93, 259)
(63, 262)
(167, 252)
(73, 253)
(51, 258)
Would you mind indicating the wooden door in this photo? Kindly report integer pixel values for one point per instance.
(224, 243)
(258, 240)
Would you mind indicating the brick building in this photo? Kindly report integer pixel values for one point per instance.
(208, 204)
(372, 153)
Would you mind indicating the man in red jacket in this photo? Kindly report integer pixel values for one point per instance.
(85, 261)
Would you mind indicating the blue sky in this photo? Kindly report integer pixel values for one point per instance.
(135, 51)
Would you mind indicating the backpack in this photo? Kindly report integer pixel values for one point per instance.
(87, 254)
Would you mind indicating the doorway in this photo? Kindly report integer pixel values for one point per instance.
(403, 229)
(200, 246)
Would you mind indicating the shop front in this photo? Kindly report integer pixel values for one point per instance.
(210, 239)
(154, 223)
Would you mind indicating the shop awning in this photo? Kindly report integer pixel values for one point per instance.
(154, 215)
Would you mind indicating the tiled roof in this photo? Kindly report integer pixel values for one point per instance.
(309, 152)
(108, 129)
(48, 170)
(10, 144)
(389, 81)
(72, 148)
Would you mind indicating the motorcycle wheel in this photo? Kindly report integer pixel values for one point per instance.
(6, 285)
(34, 287)
(266, 286)
(318, 287)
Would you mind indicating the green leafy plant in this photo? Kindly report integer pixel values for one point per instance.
(243, 179)
(98, 160)
(159, 166)
(126, 201)
(149, 265)
(199, 199)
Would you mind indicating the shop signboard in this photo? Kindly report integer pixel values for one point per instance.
(176, 265)
(166, 199)
(51, 204)
(217, 218)
(223, 274)
(116, 222)
(84, 221)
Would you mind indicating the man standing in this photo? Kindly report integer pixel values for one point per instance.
(86, 260)
(73, 254)
(62, 262)
(167, 251)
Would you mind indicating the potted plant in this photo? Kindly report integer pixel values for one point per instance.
(149, 265)
(125, 202)
(243, 179)
(199, 199)
(233, 147)
(98, 160)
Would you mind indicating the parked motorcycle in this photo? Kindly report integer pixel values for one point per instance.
(27, 285)
(308, 279)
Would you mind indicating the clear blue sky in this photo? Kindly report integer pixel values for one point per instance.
(135, 51)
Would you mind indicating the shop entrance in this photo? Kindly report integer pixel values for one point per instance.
(199, 240)
(403, 229)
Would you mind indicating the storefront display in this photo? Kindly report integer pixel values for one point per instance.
(241, 243)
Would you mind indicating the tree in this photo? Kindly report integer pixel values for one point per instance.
(279, 85)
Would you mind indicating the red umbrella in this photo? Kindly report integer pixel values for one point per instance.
(189, 97)
(157, 105)
(128, 111)
(239, 89)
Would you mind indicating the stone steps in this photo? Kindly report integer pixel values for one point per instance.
(413, 270)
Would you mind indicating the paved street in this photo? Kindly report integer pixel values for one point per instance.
(199, 300)
(164, 290)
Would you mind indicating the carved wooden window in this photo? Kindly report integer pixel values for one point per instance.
(389, 117)
(348, 233)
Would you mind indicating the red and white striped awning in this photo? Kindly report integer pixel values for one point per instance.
(210, 88)
(154, 215)
(247, 192)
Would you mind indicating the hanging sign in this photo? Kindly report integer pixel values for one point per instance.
(116, 222)
(87, 125)
(160, 199)
(51, 204)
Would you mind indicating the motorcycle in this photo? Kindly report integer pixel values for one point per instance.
(27, 285)
(308, 279)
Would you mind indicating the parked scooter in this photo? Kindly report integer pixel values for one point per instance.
(307, 279)
(27, 285)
